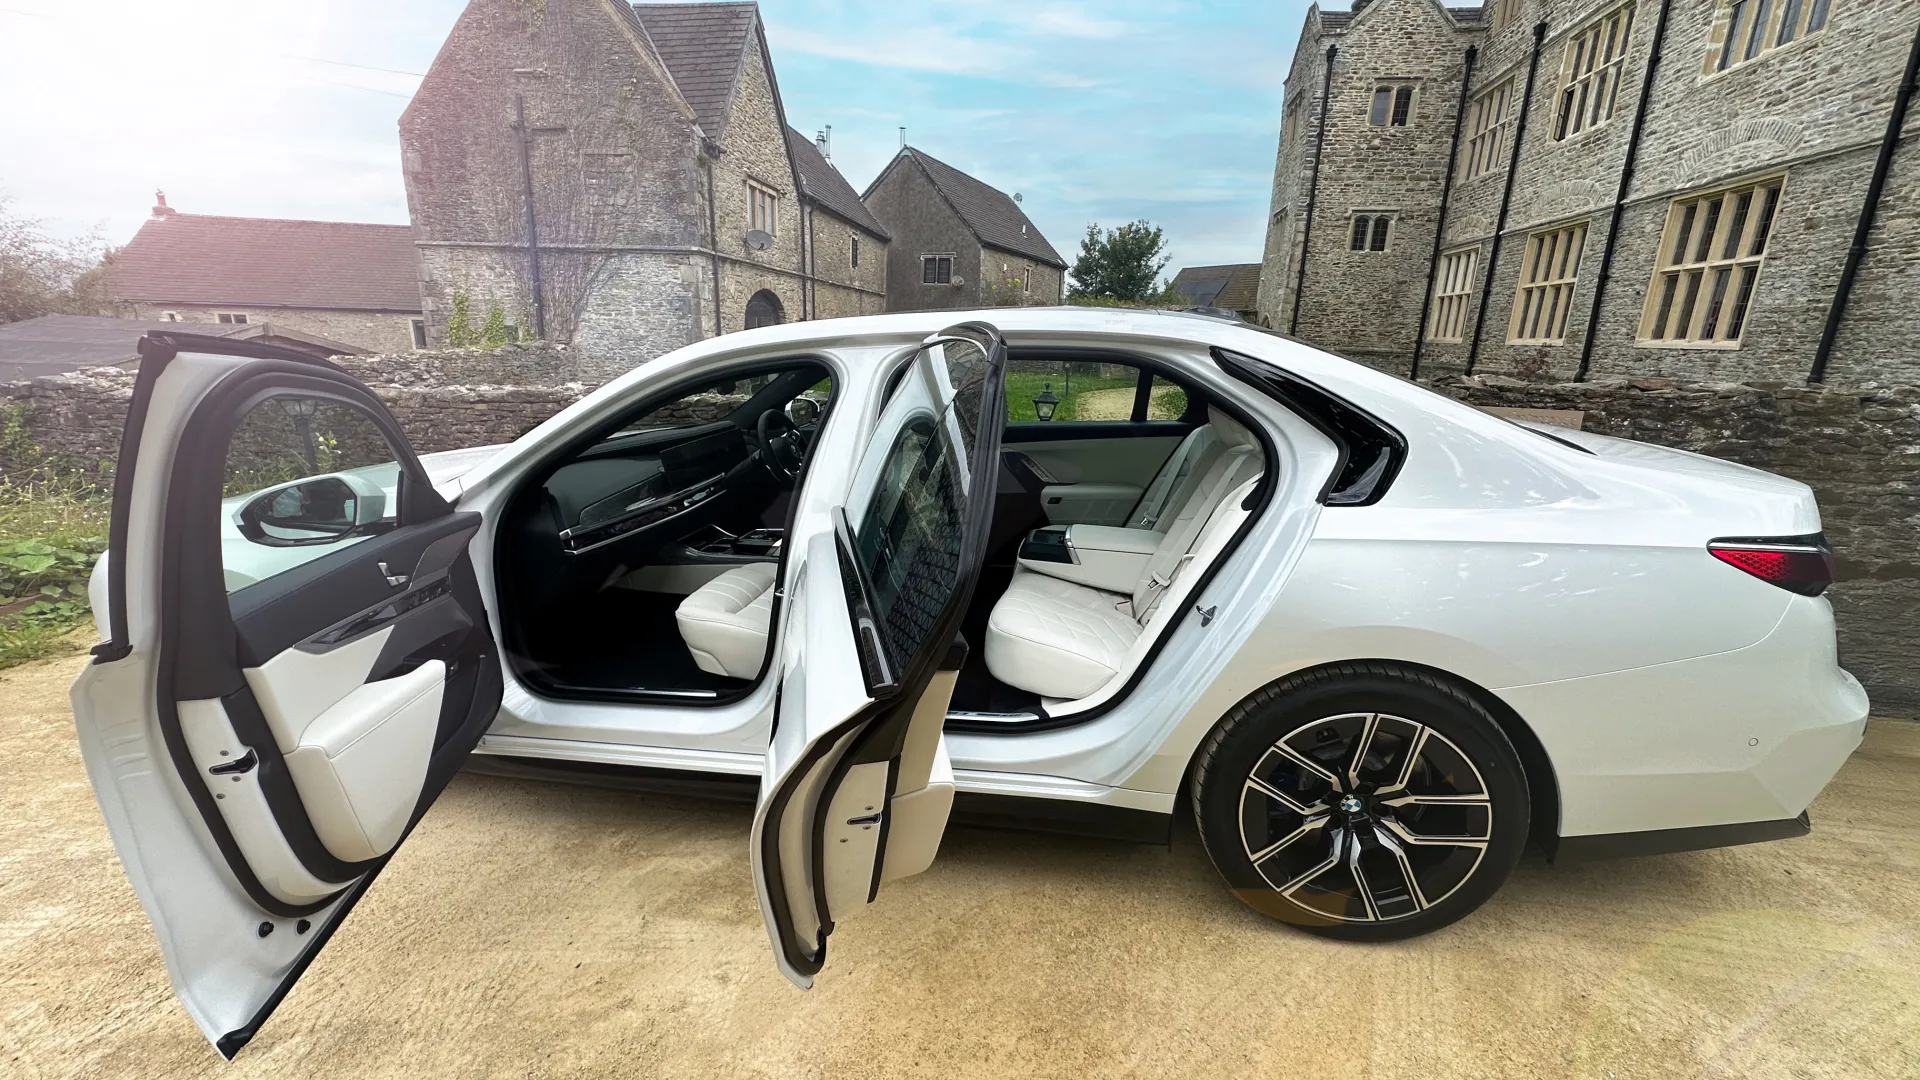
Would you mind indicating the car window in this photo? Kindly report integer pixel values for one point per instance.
(1078, 391)
(1167, 401)
(304, 477)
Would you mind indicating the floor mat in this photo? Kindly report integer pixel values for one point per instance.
(976, 690)
(624, 639)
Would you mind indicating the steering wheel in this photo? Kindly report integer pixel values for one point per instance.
(780, 443)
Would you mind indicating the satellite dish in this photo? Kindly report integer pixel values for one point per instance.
(759, 239)
(958, 281)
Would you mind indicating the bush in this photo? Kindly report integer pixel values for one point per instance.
(53, 526)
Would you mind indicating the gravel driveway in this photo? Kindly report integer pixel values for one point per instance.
(536, 930)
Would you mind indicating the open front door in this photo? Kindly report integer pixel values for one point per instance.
(297, 662)
(857, 786)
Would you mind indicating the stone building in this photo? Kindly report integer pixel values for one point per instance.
(622, 177)
(1450, 185)
(958, 242)
(327, 283)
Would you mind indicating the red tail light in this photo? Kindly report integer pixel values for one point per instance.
(1801, 564)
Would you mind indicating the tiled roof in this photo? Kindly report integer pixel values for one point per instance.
(995, 218)
(1467, 14)
(52, 344)
(702, 46)
(266, 262)
(1335, 20)
(1233, 286)
(1242, 292)
(822, 183)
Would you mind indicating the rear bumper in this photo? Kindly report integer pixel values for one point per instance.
(1744, 738)
(1667, 841)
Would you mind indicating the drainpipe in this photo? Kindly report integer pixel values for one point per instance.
(1446, 195)
(1868, 211)
(713, 240)
(1506, 196)
(1620, 196)
(533, 225)
(1313, 189)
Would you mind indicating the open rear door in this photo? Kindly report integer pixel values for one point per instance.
(297, 662)
(857, 786)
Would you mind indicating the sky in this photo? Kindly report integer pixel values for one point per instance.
(1103, 112)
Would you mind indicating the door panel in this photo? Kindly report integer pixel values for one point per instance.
(1094, 471)
(296, 667)
(857, 786)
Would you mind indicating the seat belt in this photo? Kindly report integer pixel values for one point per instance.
(1159, 583)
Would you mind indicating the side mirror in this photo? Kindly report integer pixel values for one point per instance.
(318, 510)
(803, 411)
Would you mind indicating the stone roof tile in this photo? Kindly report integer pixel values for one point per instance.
(822, 183)
(994, 217)
(703, 46)
(269, 262)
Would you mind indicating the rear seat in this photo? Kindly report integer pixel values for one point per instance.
(1063, 640)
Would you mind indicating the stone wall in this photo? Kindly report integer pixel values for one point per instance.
(922, 223)
(1857, 447)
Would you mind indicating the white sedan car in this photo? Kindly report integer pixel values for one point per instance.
(1042, 568)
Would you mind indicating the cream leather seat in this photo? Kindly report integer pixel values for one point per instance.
(725, 621)
(1064, 640)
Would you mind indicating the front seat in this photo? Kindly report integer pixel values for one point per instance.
(1063, 640)
(725, 621)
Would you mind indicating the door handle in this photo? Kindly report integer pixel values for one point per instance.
(237, 766)
(393, 579)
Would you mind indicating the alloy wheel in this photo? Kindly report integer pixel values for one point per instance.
(1365, 818)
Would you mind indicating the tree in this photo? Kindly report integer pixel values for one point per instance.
(1120, 264)
(41, 275)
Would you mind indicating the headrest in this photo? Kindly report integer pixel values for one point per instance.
(1229, 431)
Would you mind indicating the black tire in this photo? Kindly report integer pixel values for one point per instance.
(1452, 821)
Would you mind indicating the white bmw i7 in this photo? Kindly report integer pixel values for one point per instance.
(1041, 568)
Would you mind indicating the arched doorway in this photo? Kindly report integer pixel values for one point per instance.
(763, 309)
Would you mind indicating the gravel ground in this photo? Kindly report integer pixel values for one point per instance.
(533, 930)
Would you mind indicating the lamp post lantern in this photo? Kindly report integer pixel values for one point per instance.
(1045, 403)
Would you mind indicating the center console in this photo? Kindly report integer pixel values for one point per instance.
(1099, 556)
(758, 545)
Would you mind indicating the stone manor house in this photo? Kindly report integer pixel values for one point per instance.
(623, 177)
(620, 177)
(1579, 188)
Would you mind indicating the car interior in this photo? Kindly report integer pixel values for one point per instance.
(641, 562)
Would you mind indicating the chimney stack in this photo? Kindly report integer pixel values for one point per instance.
(903, 138)
(160, 207)
(824, 140)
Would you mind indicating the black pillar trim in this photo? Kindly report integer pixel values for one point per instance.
(1869, 210)
(1620, 195)
(1313, 189)
(1506, 196)
(1446, 197)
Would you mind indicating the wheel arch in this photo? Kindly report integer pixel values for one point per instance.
(1543, 785)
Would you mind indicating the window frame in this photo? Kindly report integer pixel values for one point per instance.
(1687, 215)
(1453, 294)
(231, 318)
(419, 330)
(763, 197)
(932, 260)
(1580, 71)
(1487, 137)
(853, 251)
(1557, 285)
(1762, 37)
(1402, 97)
(1376, 234)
